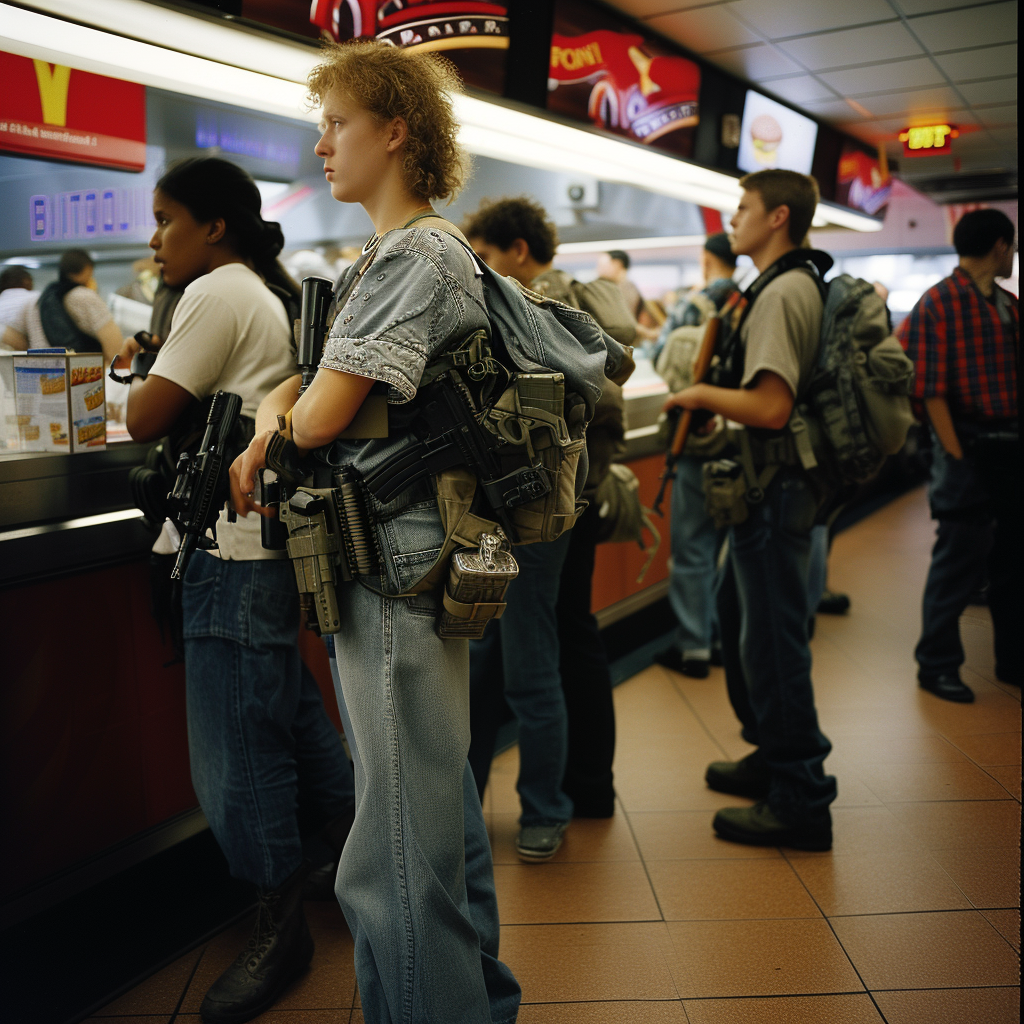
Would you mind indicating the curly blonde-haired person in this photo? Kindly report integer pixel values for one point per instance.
(415, 880)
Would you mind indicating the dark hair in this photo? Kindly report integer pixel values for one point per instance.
(74, 261)
(211, 188)
(719, 247)
(622, 257)
(15, 277)
(501, 222)
(978, 231)
(778, 187)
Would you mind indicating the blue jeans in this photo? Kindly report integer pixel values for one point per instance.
(261, 745)
(769, 559)
(519, 656)
(817, 570)
(414, 857)
(694, 549)
(977, 502)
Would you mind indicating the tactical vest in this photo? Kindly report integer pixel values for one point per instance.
(60, 330)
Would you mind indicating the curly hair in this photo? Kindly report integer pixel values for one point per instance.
(500, 222)
(390, 82)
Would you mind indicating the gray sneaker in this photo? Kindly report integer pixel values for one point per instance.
(540, 842)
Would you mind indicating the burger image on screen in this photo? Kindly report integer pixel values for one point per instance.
(766, 134)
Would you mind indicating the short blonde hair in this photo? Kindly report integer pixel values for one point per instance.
(390, 82)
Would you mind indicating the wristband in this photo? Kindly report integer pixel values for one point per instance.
(142, 363)
(284, 459)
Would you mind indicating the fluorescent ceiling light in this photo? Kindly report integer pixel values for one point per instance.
(191, 59)
(631, 244)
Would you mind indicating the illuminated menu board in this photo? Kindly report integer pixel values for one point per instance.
(773, 135)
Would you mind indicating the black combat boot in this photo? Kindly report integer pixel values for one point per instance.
(319, 884)
(278, 951)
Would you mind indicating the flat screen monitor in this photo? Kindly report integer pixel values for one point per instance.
(772, 135)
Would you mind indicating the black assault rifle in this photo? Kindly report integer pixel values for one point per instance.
(201, 487)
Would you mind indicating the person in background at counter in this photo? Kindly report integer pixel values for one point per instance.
(964, 338)
(260, 741)
(69, 313)
(614, 266)
(545, 653)
(16, 299)
(767, 348)
(415, 881)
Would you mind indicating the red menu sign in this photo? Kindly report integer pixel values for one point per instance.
(60, 113)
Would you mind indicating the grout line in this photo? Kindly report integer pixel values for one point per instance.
(188, 985)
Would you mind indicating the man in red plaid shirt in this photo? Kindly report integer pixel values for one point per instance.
(963, 338)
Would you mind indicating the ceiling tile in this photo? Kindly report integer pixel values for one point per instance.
(802, 89)
(911, 7)
(756, 63)
(709, 28)
(847, 47)
(910, 102)
(648, 8)
(798, 17)
(832, 110)
(1001, 136)
(981, 63)
(999, 90)
(956, 30)
(997, 116)
(904, 74)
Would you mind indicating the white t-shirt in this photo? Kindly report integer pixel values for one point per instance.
(15, 304)
(88, 311)
(230, 333)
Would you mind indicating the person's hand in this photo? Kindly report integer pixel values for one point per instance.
(129, 349)
(242, 476)
(688, 398)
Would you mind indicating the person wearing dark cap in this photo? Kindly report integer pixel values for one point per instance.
(694, 538)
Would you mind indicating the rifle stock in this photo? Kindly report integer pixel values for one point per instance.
(700, 369)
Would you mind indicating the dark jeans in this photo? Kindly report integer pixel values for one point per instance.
(586, 680)
(763, 619)
(261, 745)
(977, 502)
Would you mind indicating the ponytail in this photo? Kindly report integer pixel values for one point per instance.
(210, 188)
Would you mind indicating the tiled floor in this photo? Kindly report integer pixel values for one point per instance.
(647, 918)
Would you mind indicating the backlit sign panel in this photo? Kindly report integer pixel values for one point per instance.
(928, 140)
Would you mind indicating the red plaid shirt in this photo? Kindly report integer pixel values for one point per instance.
(962, 351)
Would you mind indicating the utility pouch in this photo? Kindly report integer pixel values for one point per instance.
(725, 493)
(475, 591)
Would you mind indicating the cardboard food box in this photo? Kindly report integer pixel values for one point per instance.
(9, 438)
(61, 404)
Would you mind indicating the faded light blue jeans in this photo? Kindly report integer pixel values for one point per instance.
(415, 880)
(262, 748)
(518, 657)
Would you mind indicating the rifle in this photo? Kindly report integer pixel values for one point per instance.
(700, 369)
(201, 486)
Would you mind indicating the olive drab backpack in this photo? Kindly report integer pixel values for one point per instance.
(856, 409)
(677, 356)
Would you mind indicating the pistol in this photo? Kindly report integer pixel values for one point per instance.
(317, 294)
(201, 486)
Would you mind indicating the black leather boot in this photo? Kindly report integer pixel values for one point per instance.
(278, 951)
(319, 884)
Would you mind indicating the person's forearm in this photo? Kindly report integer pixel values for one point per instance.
(277, 403)
(750, 406)
(942, 422)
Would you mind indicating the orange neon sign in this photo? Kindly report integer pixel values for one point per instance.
(928, 140)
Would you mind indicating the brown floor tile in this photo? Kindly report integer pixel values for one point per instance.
(573, 893)
(858, 831)
(161, 1018)
(1008, 777)
(687, 752)
(962, 1005)
(993, 711)
(852, 791)
(158, 994)
(900, 750)
(843, 1009)
(879, 883)
(276, 1016)
(603, 1013)
(667, 791)
(988, 878)
(575, 963)
(1001, 748)
(1007, 923)
(964, 824)
(945, 950)
(723, 890)
(903, 783)
(328, 984)
(758, 958)
(586, 839)
(688, 835)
